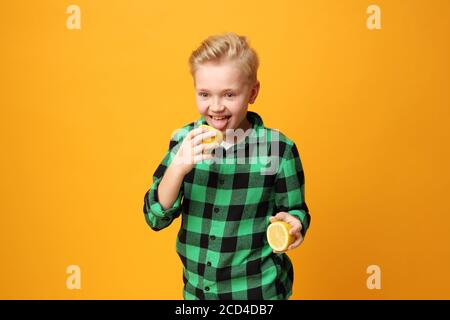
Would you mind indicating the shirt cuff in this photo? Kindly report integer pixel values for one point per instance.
(155, 206)
(303, 217)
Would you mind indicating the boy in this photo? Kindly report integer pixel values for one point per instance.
(228, 201)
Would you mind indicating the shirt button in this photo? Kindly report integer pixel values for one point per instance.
(208, 264)
(213, 237)
(206, 288)
(216, 210)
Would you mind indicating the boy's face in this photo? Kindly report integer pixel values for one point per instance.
(223, 94)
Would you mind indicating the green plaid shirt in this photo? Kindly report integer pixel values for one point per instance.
(225, 204)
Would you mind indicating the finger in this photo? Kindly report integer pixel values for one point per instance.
(209, 147)
(205, 148)
(293, 220)
(203, 136)
(296, 243)
(294, 230)
(202, 157)
(197, 150)
(196, 131)
(294, 223)
(281, 215)
(272, 219)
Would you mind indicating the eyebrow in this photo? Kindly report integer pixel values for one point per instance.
(228, 89)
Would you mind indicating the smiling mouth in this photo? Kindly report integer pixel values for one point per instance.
(219, 123)
(220, 118)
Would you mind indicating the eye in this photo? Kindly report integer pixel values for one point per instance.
(229, 94)
(203, 94)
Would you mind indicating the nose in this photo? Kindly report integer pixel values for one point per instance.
(216, 106)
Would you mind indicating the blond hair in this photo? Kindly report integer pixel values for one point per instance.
(226, 47)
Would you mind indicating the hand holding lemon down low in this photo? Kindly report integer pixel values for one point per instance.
(283, 233)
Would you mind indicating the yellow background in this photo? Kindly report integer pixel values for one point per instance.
(86, 116)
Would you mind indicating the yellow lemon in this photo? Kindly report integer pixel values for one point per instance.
(217, 138)
(278, 235)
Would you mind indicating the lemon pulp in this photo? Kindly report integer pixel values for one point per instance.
(278, 235)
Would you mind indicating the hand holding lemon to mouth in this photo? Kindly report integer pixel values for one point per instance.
(196, 146)
(283, 233)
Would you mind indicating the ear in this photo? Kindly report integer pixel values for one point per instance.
(254, 92)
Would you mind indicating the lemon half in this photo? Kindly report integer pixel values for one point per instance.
(217, 138)
(278, 235)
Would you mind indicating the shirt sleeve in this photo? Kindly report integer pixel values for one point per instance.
(290, 188)
(155, 215)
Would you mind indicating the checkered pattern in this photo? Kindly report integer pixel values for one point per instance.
(225, 206)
